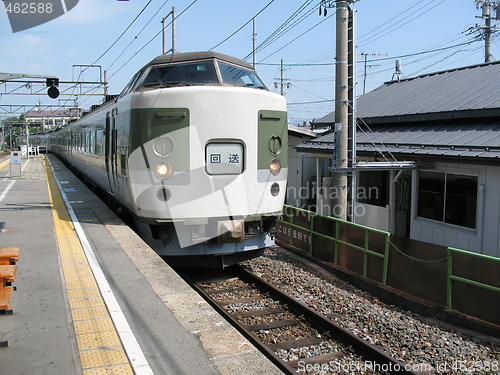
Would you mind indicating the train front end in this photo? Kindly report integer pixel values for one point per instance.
(208, 158)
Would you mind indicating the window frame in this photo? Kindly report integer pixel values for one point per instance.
(446, 199)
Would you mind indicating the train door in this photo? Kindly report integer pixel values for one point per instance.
(114, 153)
(107, 149)
(71, 144)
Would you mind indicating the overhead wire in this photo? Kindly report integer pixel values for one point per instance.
(240, 28)
(151, 40)
(283, 28)
(116, 41)
(298, 37)
(123, 33)
(389, 62)
(139, 33)
(400, 23)
(386, 23)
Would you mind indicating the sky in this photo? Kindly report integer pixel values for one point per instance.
(426, 35)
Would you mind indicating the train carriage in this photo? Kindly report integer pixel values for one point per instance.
(195, 147)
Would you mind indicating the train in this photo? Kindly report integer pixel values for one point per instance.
(195, 149)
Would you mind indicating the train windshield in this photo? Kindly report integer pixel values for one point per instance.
(237, 76)
(200, 73)
(186, 74)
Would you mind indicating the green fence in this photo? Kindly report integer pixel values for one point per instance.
(460, 279)
(378, 258)
(337, 240)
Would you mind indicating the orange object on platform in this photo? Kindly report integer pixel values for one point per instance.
(9, 255)
(7, 275)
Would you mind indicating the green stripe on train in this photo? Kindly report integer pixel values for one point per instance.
(150, 123)
(272, 138)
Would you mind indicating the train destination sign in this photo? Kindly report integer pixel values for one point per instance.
(224, 158)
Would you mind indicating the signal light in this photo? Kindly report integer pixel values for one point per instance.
(53, 91)
(52, 82)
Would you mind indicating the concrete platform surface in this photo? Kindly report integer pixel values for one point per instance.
(175, 330)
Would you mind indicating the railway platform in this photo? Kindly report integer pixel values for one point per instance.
(92, 298)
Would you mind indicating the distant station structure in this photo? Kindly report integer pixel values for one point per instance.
(51, 119)
(448, 124)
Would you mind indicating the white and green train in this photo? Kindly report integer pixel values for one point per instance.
(195, 147)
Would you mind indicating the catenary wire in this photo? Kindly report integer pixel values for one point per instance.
(239, 29)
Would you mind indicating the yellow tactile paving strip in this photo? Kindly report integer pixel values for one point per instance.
(99, 346)
(5, 163)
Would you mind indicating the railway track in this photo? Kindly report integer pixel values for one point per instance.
(280, 325)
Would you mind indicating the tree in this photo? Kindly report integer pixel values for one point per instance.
(12, 127)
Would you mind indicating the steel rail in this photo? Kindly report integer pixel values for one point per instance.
(282, 365)
(370, 352)
(338, 333)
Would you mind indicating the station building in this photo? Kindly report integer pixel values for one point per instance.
(51, 119)
(446, 123)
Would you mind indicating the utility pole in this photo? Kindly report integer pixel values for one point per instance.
(365, 70)
(487, 7)
(345, 117)
(163, 24)
(341, 109)
(282, 81)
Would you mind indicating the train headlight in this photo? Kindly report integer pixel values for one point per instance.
(275, 167)
(164, 170)
(275, 189)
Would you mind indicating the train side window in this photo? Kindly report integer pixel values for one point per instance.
(93, 141)
(238, 76)
(131, 84)
(99, 136)
(87, 142)
(123, 164)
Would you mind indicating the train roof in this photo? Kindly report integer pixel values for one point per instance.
(193, 56)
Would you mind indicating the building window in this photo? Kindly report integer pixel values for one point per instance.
(447, 197)
(373, 188)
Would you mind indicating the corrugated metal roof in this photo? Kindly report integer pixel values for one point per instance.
(463, 89)
(72, 112)
(468, 138)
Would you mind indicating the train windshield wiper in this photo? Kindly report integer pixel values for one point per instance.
(167, 84)
(255, 86)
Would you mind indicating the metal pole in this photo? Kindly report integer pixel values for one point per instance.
(27, 141)
(365, 73)
(254, 41)
(353, 101)
(341, 109)
(174, 32)
(105, 83)
(487, 33)
(282, 80)
(164, 33)
(164, 37)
